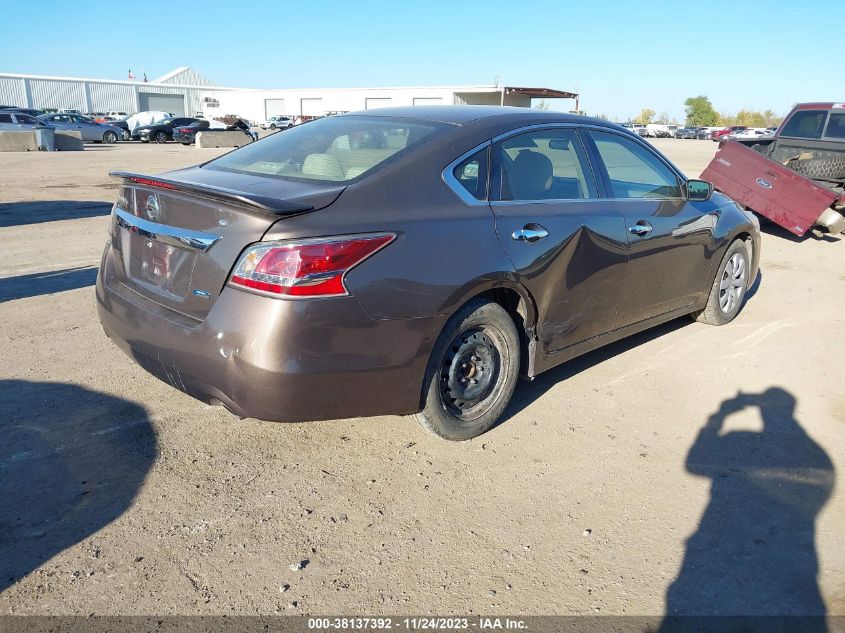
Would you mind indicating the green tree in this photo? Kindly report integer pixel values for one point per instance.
(700, 112)
(645, 116)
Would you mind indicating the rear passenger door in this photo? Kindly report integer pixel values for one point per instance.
(566, 243)
(670, 239)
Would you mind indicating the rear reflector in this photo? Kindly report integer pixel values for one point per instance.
(305, 268)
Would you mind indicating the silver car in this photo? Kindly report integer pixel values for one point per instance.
(277, 122)
(86, 126)
(13, 121)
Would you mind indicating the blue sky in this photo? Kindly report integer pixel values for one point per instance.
(621, 56)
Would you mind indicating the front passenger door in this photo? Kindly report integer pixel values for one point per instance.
(670, 239)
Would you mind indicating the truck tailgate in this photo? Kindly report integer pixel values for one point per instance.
(772, 190)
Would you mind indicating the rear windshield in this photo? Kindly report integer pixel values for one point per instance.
(332, 149)
(805, 124)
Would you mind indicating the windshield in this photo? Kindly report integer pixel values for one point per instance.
(334, 149)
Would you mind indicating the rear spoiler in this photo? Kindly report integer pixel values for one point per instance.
(262, 203)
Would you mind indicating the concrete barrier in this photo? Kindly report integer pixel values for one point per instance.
(24, 141)
(69, 141)
(222, 139)
(18, 141)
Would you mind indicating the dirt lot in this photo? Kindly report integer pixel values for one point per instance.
(124, 496)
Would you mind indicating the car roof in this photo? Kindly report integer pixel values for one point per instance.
(460, 114)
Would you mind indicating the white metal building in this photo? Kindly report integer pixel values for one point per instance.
(180, 91)
(185, 92)
(257, 105)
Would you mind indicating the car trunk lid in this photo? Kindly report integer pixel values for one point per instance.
(177, 236)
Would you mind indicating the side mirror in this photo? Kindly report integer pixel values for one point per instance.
(699, 190)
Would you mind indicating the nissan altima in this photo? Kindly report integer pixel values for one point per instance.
(412, 261)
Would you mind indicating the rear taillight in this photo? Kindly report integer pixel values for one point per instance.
(305, 268)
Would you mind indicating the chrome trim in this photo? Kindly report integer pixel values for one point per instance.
(529, 235)
(172, 235)
(449, 177)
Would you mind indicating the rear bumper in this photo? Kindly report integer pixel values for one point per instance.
(271, 359)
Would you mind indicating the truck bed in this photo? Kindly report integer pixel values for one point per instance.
(769, 188)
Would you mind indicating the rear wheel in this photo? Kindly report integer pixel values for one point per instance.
(472, 372)
(161, 137)
(110, 137)
(728, 290)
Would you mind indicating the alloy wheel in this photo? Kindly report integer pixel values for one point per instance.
(732, 284)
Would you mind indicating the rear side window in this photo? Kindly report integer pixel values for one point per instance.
(5, 118)
(471, 174)
(331, 149)
(635, 171)
(542, 165)
(836, 125)
(805, 124)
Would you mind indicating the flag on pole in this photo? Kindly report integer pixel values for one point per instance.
(131, 76)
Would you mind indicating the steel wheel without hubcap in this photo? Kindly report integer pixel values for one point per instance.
(472, 372)
(468, 374)
(732, 285)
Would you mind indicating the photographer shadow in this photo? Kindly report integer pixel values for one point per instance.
(754, 552)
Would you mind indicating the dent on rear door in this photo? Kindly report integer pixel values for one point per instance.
(576, 271)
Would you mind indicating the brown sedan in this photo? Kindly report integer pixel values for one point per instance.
(412, 261)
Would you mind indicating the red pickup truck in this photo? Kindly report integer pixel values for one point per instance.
(796, 178)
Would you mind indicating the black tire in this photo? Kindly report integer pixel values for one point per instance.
(460, 400)
(822, 168)
(161, 137)
(272, 126)
(727, 293)
(110, 138)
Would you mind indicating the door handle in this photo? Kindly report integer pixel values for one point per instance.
(530, 233)
(641, 228)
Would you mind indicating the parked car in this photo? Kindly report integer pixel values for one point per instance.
(121, 123)
(718, 134)
(750, 133)
(687, 132)
(275, 122)
(13, 120)
(186, 134)
(340, 270)
(87, 127)
(795, 178)
(162, 131)
(657, 130)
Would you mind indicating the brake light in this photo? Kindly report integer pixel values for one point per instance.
(151, 183)
(306, 268)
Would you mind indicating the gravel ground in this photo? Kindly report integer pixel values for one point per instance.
(633, 480)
